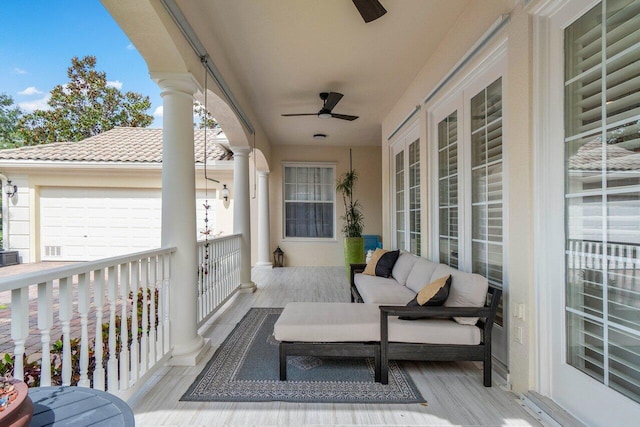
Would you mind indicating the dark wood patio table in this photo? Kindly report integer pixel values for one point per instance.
(78, 406)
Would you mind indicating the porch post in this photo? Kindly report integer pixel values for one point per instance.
(263, 220)
(241, 214)
(179, 214)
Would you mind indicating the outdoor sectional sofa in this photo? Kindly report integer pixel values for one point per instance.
(460, 329)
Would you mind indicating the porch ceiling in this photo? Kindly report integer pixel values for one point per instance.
(284, 53)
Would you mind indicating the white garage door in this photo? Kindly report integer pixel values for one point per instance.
(89, 224)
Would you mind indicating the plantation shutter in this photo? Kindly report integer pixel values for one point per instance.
(602, 209)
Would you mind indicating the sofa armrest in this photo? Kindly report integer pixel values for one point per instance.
(355, 268)
(393, 310)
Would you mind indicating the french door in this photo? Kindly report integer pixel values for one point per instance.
(467, 157)
(593, 245)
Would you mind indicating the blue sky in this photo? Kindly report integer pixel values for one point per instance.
(38, 38)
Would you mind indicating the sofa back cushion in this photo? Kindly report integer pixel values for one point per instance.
(403, 267)
(467, 290)
(421, 274)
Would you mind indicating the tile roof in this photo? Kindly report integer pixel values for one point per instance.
(589, 157)
(120, 144)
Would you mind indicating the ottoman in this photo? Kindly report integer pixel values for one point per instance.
(328, 330)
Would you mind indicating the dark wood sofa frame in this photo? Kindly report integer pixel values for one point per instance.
(435, 352)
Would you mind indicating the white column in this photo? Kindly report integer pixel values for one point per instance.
(242, 214)
(264, 256)
(179, 214)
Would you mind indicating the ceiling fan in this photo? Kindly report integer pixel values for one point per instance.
(370, 9)
(329, 101)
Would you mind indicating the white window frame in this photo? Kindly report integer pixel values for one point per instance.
(331, 165)
(399, 144)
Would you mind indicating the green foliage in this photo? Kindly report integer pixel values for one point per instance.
(353, 217)
(84, 107)
(204, 117)
(10, 115)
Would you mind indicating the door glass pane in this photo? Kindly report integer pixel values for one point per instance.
(448, 187)
(486, 185)
(602, 208)
(584, 164)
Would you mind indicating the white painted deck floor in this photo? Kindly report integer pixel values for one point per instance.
(454, 391)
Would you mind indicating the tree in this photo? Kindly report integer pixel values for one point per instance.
(204, 117)
(84, 107)
(9, 118)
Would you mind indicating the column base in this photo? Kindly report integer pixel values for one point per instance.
(264, 264)
(192, 356)
(247, 288)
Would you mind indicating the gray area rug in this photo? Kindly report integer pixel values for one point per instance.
(245, 369)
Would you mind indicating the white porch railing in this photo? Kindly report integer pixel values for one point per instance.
(94, 297)
(218, 273)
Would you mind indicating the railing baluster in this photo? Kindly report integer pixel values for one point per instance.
(124, 326)
(135, 344)
(83, 311)
(19, 327)
(98, 304)
(165, 293)
(65, 314)
(144, 346)
(152, 309)
(112, 364)
(45, 321)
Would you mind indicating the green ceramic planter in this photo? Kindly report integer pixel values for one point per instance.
(353, 251)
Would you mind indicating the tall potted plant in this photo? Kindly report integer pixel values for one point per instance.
(353, 220)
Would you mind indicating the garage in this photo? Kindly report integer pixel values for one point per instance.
(84, 224)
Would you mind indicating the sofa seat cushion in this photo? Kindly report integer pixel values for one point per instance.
(433, 331)
(328, 322)
(378, 290)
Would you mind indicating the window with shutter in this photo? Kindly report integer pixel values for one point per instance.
(602, 193)
(407, 199)
(486, 185)
(448, 189)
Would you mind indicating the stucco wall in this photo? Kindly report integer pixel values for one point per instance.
(472, 23)
(366, 162)
(24, 211)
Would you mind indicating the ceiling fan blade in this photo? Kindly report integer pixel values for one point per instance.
(300, 114)
(370, 9)
(332, 100)
(343, 117)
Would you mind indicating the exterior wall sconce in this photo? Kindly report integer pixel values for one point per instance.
(278, 258)
(10, 189)
(224, 192)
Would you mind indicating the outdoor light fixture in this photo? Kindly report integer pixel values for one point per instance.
(319, 136)
(10, 189)
(225, 192)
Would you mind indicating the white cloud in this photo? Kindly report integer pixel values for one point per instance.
(37, 104)
(158, 112)
(130, 46)
(31, 90)
(116, 83)
(19, 71)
